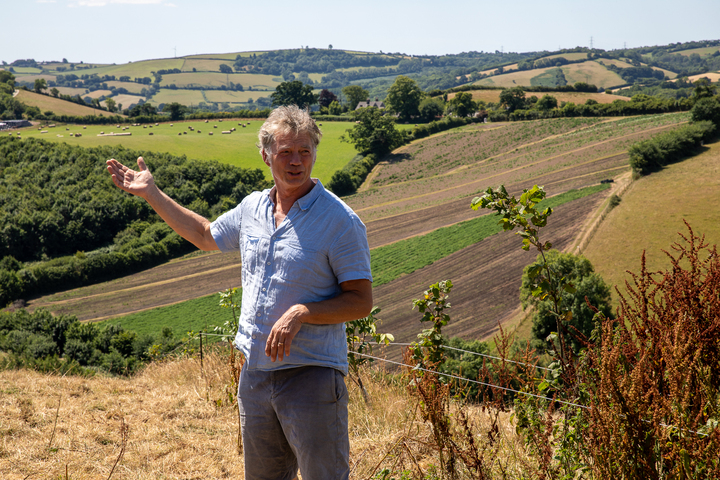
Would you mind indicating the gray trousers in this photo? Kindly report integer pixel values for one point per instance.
(293, 418)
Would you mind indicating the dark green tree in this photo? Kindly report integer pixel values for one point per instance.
(373, 132)
(703, 89)
(547, 102)
(513, 98)
(225, 68)
(40, 85)
(431, 108)
(294, 93)
(707, 108)
(404, 97)
(462, 104)
(580, 273)
(354, 94)
(176, 110)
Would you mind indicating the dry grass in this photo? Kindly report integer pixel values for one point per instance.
(174, 423)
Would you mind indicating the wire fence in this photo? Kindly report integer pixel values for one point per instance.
(478, 382)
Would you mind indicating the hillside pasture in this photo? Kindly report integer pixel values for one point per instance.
(650, 222)
(589, 72)
(702, 51)
(626, 64)
(572, 56)
(222, 56)
(26, 70)
(254, 80)
(204, 64)
(577, 98)
(133, 69)
(97, 94)
(72, 91)
(56, 105)
(219, 96)
(713, 76)
(236, 149)
(181, 96)
(32, 78)
(126, 100)
(131, 87)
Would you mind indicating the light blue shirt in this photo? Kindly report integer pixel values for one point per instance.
(320, 244)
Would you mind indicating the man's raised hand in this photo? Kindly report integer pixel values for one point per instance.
(136, 182)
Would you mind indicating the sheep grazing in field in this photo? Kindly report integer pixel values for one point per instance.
(78, 134)
(210, 133)
(233, 129)
(41, 131)
(199, 131)
(150, 133)
(84, 128)
(320, 124)
(243, 126)
(117, 126)
(179, 133)
(101, 132)
(226, 132)
(206, 121)
(157, 124)
(144, 126)
(184, 133)
(214, 126)
(171, 125)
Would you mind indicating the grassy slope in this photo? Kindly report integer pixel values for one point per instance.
(236, 149)
(60, 107)
(652, 212)
(590, 72)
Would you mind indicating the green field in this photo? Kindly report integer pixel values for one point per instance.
(181, 96)
(236, 149)
(406, 256)
(136, 69)
(204, 64)
(197, 314)
(702, 51)
(213, 79)
(218, 96)
(131, 87)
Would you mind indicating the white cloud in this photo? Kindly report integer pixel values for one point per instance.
(45, 1)
(169, 5)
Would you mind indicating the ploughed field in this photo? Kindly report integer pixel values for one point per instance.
(422, 187)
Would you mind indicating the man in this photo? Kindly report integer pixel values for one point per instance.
(305, 271)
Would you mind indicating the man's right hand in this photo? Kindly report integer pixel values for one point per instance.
(138, 183)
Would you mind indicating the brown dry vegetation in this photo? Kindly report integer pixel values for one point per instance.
(60, 107)
(173, 420)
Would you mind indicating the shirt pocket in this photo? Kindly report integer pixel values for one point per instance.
(307, 269)
(250, 247)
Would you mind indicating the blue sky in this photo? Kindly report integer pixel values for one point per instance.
(118, 31)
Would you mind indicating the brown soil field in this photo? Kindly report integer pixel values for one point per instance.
(486, 279)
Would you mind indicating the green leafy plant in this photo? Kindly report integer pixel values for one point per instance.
(428, 350)
(361, 334)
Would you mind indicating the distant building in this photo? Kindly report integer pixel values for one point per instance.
(368, 103)
(8, 124)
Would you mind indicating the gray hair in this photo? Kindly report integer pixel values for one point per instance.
(284, 120)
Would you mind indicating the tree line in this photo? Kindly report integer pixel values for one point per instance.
(70, 226)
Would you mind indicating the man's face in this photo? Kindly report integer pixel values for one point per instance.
(291, 162)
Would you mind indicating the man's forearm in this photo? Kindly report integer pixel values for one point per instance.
(192, 227)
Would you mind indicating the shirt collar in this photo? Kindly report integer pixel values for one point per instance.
(303, 202)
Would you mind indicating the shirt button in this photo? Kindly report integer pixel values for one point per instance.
(268, 263)
(264, 289)
(259, 314)
(254, 337)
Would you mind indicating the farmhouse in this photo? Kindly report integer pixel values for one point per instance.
(8, 124)
(368, 103)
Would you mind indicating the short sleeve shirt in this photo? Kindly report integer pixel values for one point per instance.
(320, 244)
